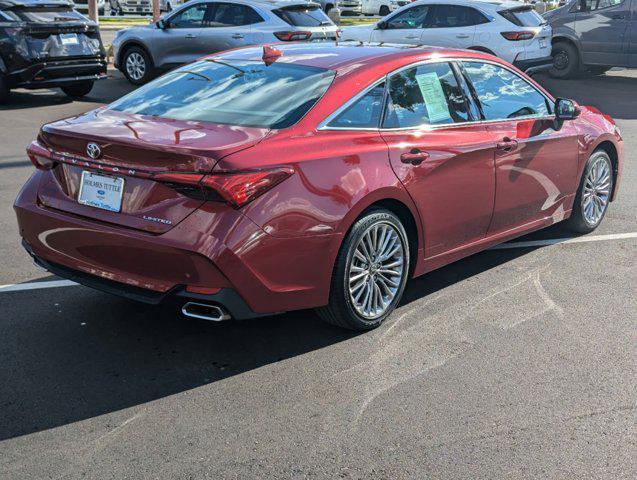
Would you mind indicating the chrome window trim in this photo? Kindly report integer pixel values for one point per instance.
(324, 125)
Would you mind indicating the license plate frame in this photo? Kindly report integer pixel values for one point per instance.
(69, 39)
(101, 196)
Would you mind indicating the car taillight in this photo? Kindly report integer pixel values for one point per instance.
(292, 36)
(516, 36)
(40, 156)
(235, 188)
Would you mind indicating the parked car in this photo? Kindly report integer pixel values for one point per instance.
(593, 36)
(265, 179)
(509, 30)
(381, 7)
(202, 27)
(46, 44)
(82, 6)
(130, 7)
(350, 7)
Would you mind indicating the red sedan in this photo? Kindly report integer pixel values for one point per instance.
(321, 176)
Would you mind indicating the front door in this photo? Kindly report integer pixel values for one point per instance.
(603, 27)
(179, 42)
(536, 165)
(404, 27)
(443, 158)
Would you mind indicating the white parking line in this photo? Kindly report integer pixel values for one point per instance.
(16, 287)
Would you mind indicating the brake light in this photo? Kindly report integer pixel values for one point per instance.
(517, 36)
(292, 36)
(237, 189)
(40, 157)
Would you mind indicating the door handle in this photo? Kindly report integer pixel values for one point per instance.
(414, 157)
(507, 145)
(412, 36)
(190, 35)
(462, 35)
(237, 35)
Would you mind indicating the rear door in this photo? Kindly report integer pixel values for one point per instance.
(403, 27)
(452, 26)
(536, 165)
(603, 29)
(228, 25)
(444, 158)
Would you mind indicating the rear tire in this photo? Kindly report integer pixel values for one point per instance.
(370, 273)
(136, 65)
(78, 90)
(565, 60)
(593, 194)
(4, 90)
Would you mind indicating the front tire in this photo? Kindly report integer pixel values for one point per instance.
(136, 65)
(370, 273)
(78, 90)
(565, 60)
(593, 194)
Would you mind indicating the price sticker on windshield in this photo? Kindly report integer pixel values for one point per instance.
(434, 97)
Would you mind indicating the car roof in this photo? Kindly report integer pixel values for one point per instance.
(493, 4)
(348, 56)
(35, 3)
(270, 4)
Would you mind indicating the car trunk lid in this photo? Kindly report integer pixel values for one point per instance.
(136, 148)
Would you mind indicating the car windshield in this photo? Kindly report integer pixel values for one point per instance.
(524, 16)
(233, 92)
(44, 15)
(303, 16)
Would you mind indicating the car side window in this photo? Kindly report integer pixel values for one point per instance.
(426, 94)
(364, 112)
(592, 5)
(232, 15)
(503, 94)
(189, 17)
(450, 16)
(413, 17)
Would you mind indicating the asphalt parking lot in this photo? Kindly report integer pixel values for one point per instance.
(514, 363)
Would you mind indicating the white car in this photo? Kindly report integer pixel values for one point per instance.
(510, 30)
(381, 7)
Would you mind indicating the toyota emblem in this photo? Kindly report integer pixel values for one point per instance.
(93, 150)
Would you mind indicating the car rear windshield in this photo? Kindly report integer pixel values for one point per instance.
(232, 92)
(303, 16)
(42, 15)
(523, 17)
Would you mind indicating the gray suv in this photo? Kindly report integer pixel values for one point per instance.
(201, 27)
(593, 36)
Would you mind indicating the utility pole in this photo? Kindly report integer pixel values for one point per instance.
(92, 11)
(156, 12)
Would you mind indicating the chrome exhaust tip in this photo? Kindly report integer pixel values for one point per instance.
(204, 311)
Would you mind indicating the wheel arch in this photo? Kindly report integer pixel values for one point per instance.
(478, 48)
(128, 44)
(610, 148)
(570, 40)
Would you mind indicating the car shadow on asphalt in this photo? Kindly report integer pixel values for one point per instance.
(73, 353)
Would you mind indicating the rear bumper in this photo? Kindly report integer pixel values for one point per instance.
(534, 65)
(208, 249)
(58, 73)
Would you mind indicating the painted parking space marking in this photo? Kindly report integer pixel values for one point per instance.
(16, 287)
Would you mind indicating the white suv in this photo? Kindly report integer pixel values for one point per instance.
(510, 30)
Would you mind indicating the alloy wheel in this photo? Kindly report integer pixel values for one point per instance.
(135, 66)
(596, 192)
(376, 270)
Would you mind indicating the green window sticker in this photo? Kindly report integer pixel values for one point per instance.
(434, 97)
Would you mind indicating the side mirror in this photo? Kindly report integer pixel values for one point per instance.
(382, 25)
(162, 24)
(566, 109)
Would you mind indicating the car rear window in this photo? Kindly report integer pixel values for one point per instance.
(303, 16)
(43, 15)
(523, 17)
(232, 92)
